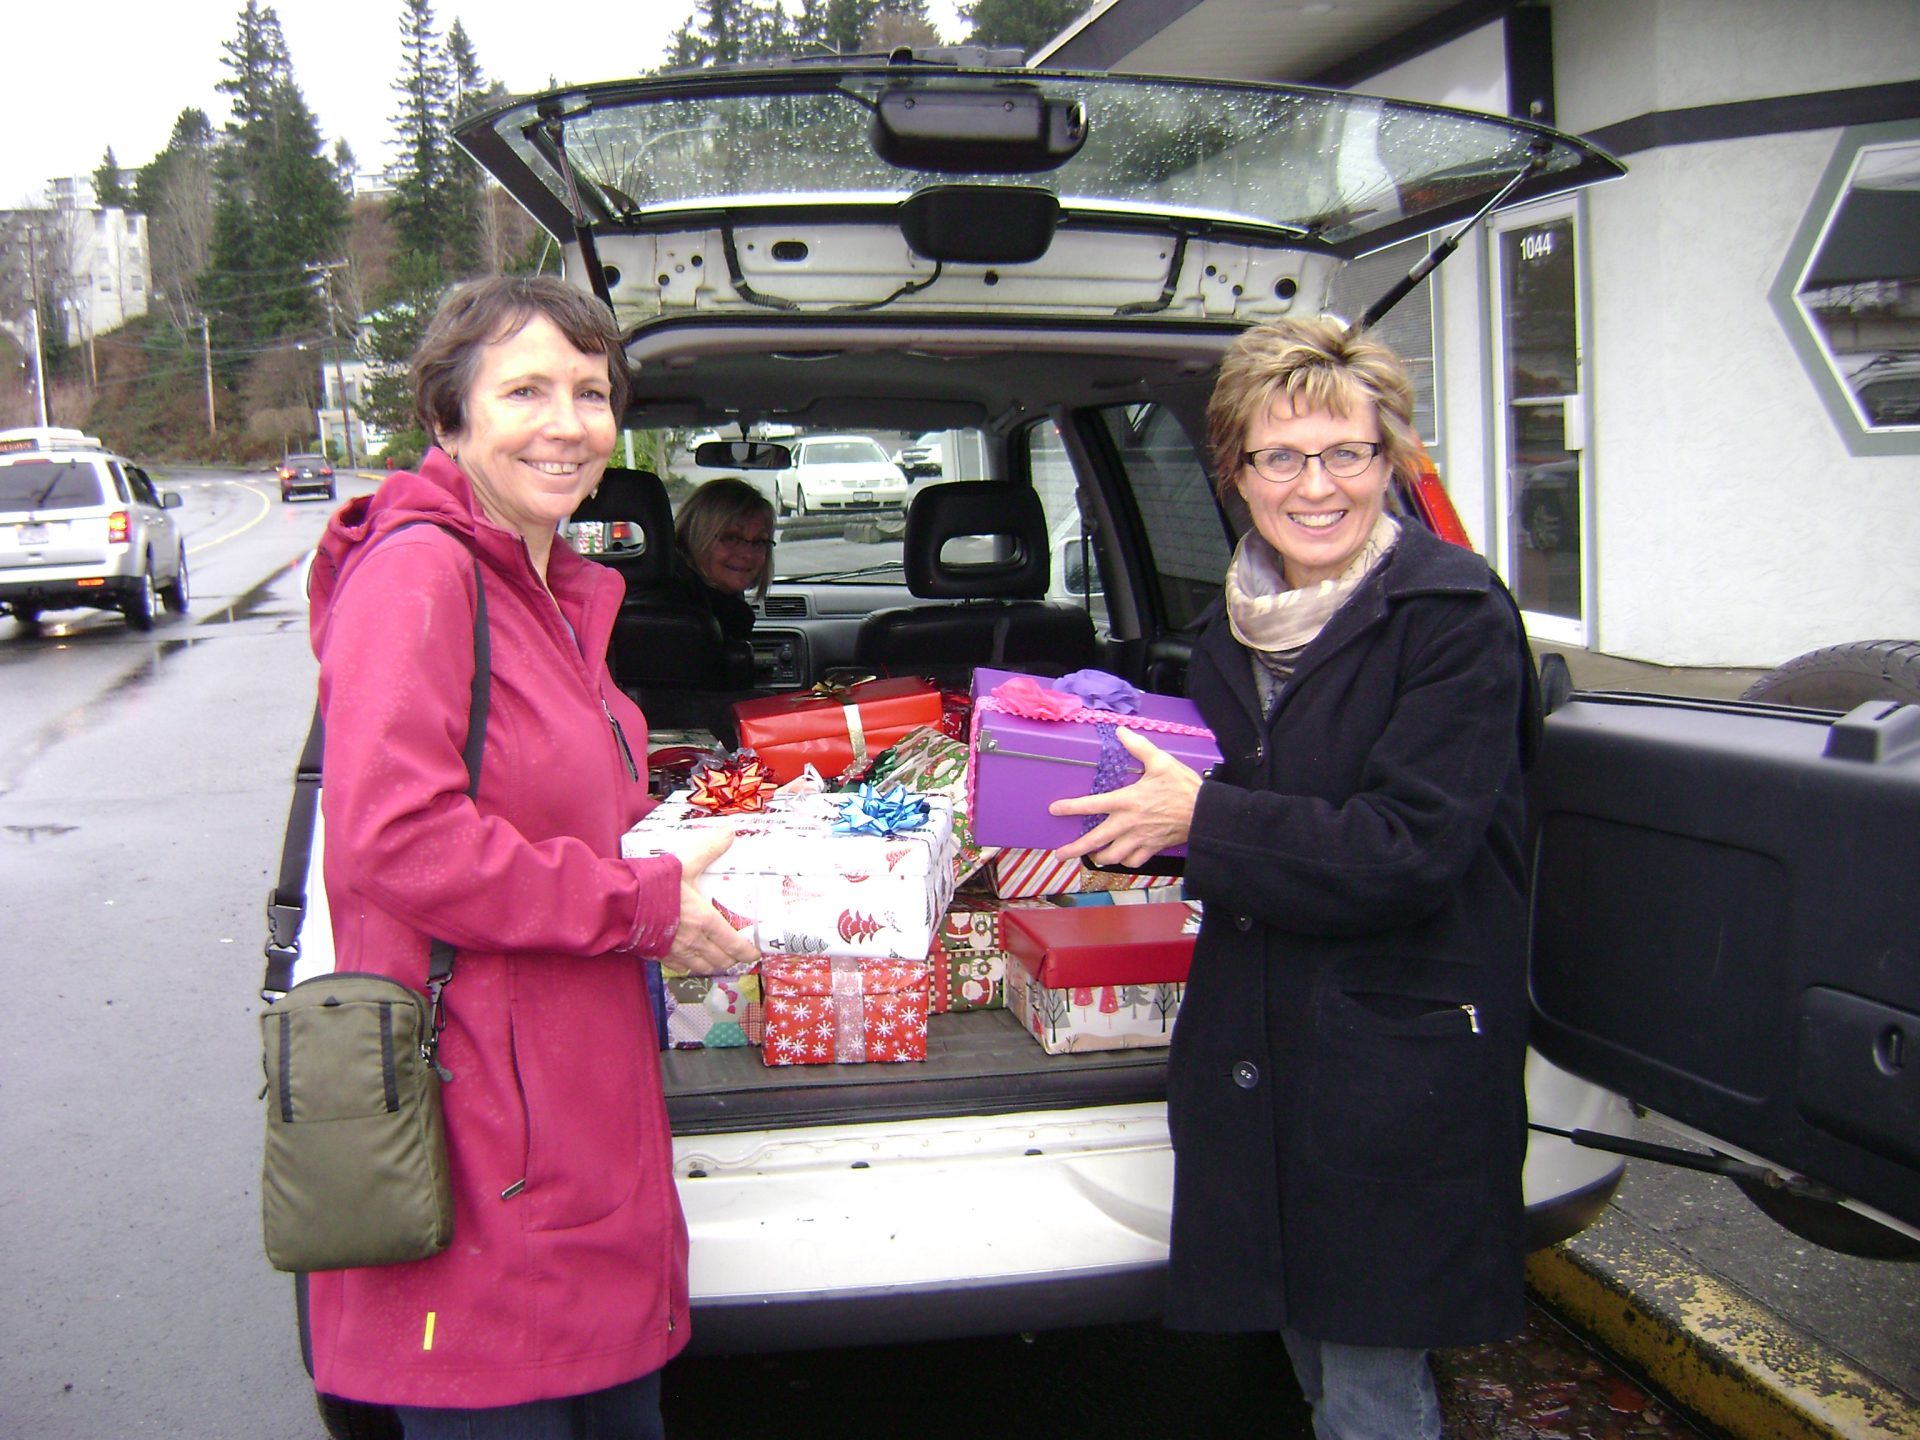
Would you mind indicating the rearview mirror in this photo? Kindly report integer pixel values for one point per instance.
(742, 455)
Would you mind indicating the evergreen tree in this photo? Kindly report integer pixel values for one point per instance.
(393, 334)
(108, 188)
(847, 23)
(1025, 25)
(467, 253)
(277, 208)
(422, 208)
(345, 166)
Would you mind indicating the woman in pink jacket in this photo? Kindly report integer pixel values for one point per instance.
(564, 1290)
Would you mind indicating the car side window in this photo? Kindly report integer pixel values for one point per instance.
(1074, 560)
(143, 490)
(1188, 543)
(120, 490)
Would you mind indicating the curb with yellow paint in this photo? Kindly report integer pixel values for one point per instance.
(1709, 1347)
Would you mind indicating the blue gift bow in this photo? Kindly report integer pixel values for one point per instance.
(884, 813)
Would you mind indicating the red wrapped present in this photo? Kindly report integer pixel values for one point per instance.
(1098, 977)
(843, 1012)
(834, 728)
(1067, 946)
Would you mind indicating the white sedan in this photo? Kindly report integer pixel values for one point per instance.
(840, 473)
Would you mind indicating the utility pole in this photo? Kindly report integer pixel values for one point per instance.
(39, 355)
(324, 271)
(206, 360)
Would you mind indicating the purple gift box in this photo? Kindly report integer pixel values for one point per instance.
(1036, 740)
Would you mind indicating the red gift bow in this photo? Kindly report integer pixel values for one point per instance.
(736, 786)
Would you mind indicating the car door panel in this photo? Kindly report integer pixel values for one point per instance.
(1726, 926)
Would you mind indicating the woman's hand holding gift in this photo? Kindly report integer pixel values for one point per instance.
(705, 942)
(1153, 814)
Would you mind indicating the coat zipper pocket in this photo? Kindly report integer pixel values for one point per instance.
(620, 739)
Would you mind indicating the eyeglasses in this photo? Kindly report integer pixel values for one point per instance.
(736, 541)
(1282, 465)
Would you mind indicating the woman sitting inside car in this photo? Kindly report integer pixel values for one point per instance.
(723, 536)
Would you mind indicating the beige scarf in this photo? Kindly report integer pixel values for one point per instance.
(1276, 622)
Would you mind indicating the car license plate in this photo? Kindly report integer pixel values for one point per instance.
(863, 497)
(32, 534)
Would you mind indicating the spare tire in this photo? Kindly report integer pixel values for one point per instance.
(1840, 677)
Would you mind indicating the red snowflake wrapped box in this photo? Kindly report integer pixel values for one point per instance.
(834, 728)
(1098, 977)
(844, 1011)
(797, 881)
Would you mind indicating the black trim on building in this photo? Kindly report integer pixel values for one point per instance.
(1776, 115)
(1529, 35)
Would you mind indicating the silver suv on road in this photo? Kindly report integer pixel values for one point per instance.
(81, 526)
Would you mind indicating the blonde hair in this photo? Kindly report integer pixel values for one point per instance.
(710, 511)
(1317, 363)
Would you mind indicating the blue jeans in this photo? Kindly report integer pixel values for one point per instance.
(1365, 1392)
(624, 1412)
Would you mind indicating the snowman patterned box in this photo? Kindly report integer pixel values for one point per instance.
(795, 884)
(843, 1011)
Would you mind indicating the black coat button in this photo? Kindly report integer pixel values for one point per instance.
(1244, 922)
(1246, 1074)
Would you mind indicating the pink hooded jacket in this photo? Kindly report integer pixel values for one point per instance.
(568, 1267)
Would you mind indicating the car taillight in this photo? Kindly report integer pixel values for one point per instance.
(621, 532)
(326, 472)
(1435, 507)
(118, 524)
(286, 473)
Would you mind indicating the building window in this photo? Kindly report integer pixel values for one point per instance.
(1848, 293)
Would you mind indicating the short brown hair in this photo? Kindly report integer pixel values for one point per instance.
(1318, 364)
(711, 509)
(484, 312)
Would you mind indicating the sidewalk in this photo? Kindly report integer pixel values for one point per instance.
(1755, 1331)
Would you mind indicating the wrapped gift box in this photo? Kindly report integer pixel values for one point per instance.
(844, 1012)
(711, 1012)
(1032, 744)
(796, 887)
(969, 958)
(835, 732)
(1020, 874)
(929, 761)
(1098, 977)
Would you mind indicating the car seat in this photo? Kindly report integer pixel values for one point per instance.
(667, 649)
(1001, 617)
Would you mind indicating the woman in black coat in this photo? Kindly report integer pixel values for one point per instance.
(1344, 1087)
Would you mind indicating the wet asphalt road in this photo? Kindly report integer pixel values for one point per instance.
(143, 790)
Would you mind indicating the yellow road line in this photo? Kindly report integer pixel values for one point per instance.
(1708, 1346)
(266, 509)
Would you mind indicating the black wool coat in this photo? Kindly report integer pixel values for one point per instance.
(1344, 1084)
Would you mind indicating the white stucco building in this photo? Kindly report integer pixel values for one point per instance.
(98, 268)
(1681, 411)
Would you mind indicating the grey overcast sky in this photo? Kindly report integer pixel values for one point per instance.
(82, 77)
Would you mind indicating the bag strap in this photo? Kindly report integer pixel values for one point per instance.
(287, 903)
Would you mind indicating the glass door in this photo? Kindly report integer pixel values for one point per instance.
(1539, 456)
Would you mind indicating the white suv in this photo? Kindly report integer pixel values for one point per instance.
(81, 526)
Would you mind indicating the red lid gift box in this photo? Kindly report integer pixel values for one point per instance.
(1098, 977)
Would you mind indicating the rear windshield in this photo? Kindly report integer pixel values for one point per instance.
(49, 485)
